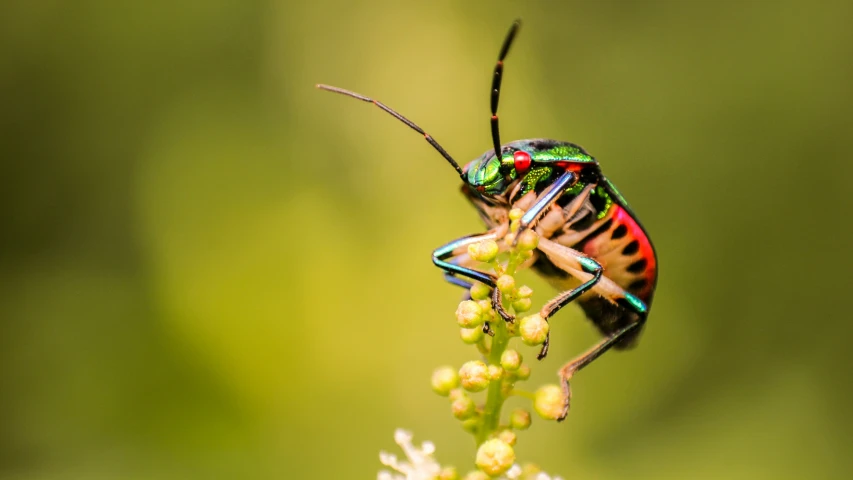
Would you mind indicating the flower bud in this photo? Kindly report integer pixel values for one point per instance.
(527, 240)
(508, 437)
(471, 335)
(469, 314)
(533, 329)
(506, 284)
(516, 214)
(522, 305)
(495, 457)
(509, 238)
(444, 379)
(519, 419)
(549, 402)
(476, 475)
(524, 292)
(463, 407)
(474, 376)
(495, 373)
(480, 291)
(484, 251)
(448, 473)
(511, 360)
(523, 372)
(471, 425)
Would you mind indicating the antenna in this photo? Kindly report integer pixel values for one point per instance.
(401, 118)
(496, 85)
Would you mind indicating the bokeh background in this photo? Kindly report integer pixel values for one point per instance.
(209, 269)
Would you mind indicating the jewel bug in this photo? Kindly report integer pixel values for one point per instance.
(591, 245)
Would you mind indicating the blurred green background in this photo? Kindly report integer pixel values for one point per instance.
(209, 269)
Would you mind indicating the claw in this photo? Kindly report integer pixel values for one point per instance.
(544, 351)
(488, 330)
(567, 396)
(497, 304)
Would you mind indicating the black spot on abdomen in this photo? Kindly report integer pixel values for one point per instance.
(631, 248)
(638, 267)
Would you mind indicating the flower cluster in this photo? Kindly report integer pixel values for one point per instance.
(420, 463)
(495, 373)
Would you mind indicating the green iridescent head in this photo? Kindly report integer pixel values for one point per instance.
(492, 176)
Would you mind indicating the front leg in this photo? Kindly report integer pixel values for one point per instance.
(549, 196)
(442, 257)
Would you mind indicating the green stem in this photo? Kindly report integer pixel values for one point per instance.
(494, 397)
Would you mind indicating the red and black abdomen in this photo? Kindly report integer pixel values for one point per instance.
(623, 248)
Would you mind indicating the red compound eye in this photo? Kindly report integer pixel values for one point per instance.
(522, 160)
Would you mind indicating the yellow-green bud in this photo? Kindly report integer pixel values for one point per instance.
(508, 437)
(516, 214)
(444, 379)
(509, 238)
(463, 407)
(524, 292)
(476, 475)
(533, 329)
(471, 335)
(528, 240)
(471, 425)
(523, 372)
(522, 305)
(484, 251)
(486, 307)
(506, 284)
(519, 419)
(480, 291)
(495, 372)
(511, 360)
(549, 402)
(474, 376)
(448, 473)
(495, 457)
(469, 314)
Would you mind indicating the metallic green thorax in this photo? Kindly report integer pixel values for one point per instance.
(491, 175)
(566, 152)
(534, 176)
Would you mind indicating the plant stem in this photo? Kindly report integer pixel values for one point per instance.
(494, 397)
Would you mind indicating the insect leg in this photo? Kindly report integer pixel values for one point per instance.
(576, 262)
(458, 282)
(568, 370)
(568, 260)
(440, 258)
(549, 196)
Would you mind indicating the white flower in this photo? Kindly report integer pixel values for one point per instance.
(545, 476)
(418, 465)
(513, 472)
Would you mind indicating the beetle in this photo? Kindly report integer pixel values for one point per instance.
(591, 245)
